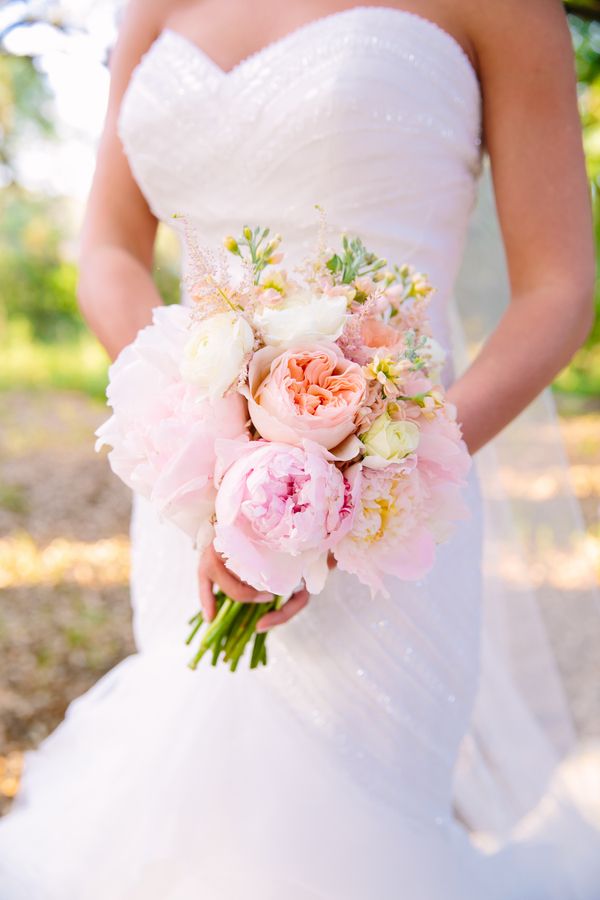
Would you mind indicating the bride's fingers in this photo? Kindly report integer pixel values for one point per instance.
(208, 600)
(231, 585)
(294, 605)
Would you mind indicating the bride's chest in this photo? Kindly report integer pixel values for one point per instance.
(383, 98)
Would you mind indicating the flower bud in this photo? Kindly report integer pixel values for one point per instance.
(231, 244)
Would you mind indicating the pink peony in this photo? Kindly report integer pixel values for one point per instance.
(279, 510)
(401, 515)
(443, 455)
(162, 438)
(308, 392)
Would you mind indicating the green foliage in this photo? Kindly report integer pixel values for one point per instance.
(354, 261)
(25, 109)
(586, 8)
(166, 278)
(586, 39)
(76, 363)
(36, 282)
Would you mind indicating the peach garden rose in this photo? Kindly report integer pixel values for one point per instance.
(308, 391)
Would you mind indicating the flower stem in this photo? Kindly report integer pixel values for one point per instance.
(257, 650)
(232, 629)
(199, 619)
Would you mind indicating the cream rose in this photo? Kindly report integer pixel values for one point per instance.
(302, 316)
(389, 441)
(215, 352)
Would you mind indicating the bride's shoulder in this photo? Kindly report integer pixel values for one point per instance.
(141, 23)
(513, 31)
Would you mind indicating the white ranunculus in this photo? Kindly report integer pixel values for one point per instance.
(435, 355)
(390, 441)
(215, 352)
(302, 316)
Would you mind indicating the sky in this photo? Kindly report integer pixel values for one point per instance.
(78, 78)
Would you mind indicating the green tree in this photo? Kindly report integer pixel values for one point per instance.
(589, 9)
(25, 110)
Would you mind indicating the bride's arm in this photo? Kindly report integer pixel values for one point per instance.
(116, 292)
(533, 134)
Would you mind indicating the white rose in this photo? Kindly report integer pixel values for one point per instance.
(435, 357)
(388, 441)
(215, 352)
(302, 316)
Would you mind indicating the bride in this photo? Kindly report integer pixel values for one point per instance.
(359, 763)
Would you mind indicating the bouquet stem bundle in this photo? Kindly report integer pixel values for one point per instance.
(230, 632)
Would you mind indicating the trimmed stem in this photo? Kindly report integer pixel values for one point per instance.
(231, 630)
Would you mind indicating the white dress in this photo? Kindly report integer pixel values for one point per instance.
(331, 773)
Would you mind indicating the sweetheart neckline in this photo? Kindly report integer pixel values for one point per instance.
(301, 30)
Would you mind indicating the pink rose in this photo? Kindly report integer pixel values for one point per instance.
(416, 383)
(162, 438)
(375, 333)
(279, 510)
(307, 392)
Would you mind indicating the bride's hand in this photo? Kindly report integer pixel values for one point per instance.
(212, 570)
(294, 605)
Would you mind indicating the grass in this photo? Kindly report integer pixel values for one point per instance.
(78, 363)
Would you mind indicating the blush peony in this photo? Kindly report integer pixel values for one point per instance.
(390, 534)
(307, 392)
(161, 438)
(279, 509)
(402, 513)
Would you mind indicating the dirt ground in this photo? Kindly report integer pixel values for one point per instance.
(64, 557)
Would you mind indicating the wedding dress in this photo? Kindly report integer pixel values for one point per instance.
(359, 764)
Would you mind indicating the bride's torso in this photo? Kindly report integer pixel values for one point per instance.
(371, 113)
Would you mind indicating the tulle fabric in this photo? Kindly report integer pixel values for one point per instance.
(541, 606)
(165, 784)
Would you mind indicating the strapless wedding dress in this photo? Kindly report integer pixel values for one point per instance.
(332, 773)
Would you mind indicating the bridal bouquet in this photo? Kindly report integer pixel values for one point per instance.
(290, 417)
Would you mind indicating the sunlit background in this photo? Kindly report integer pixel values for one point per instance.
(64, 519)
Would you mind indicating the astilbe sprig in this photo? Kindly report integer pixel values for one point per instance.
(209, 281)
